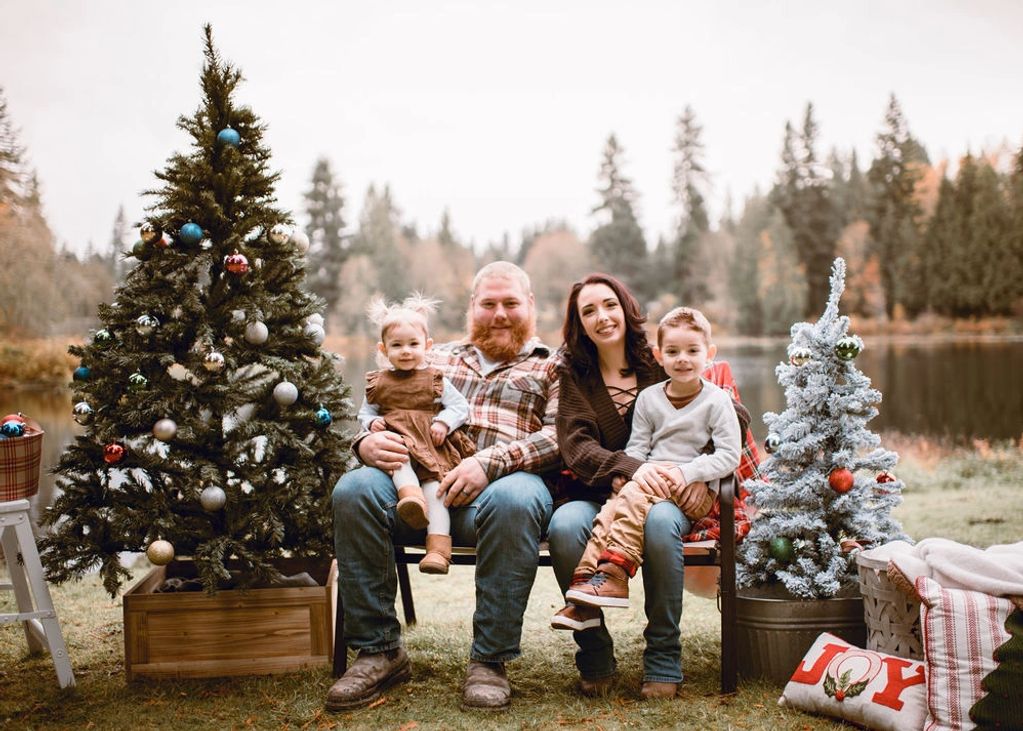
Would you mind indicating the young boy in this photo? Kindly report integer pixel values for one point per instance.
(672, 425)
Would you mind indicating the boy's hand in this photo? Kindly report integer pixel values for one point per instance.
(378, 425)
(438, 432)
(617, 483)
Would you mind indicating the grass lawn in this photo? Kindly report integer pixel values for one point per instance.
(969, 496)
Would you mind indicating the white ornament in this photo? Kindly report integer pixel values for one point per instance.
(256, 333)
(82, 413)
(315, 332)
(165, 429)
(300, 240)
(212, 498)
(238, 315)
(315, 319)
(280, 233)
(213, 362)
(177, 312)
(285, 393)
(177, 371)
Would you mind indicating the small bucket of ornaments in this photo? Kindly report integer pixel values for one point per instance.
(21, 453)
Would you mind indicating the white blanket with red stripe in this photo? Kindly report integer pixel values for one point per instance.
(997, 570)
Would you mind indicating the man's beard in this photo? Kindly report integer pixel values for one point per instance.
(502, 349)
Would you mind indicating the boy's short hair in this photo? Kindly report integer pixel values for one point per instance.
(688, 317)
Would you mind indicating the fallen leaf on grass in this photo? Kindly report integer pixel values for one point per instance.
(408, 726)
(378, 702)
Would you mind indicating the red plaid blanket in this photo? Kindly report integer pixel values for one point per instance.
(709, 528)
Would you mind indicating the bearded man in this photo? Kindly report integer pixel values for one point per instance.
(498, 500)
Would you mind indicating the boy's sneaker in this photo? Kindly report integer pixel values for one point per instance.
(609, 587)
(576, 617)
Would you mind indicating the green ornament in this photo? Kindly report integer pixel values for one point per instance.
(800, 356)
(772, 443)
(139, 250)
(848, 347)
(137, 382)
(781, 549)
(103, 338)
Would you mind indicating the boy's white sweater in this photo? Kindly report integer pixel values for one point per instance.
(662, 433)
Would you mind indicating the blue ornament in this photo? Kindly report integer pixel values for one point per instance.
(228, 136)
(12, 429)
(323, 417)
(82, 373)
(190, 234)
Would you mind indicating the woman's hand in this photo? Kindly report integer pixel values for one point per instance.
(384, 450)
(438, 432)
(655, 478)
(378, 425)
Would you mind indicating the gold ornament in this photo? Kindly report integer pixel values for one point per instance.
(160, 553)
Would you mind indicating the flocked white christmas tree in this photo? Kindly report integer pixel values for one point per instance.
(829, 489)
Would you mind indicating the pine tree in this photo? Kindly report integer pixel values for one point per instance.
(991, 243)
(803, 195)
(118, 238)
(744, 280)
(208, 399)
(939, 250)
(445, 236)
(893, 210)
(1002, 705)
(324, 206)
(380, 238)
(618, 245)
(689, 183)
(965, 288)
(12, 172)
(814, 499)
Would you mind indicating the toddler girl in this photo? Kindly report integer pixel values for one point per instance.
(412, 399)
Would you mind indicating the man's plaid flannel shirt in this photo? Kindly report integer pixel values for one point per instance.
(512, 409)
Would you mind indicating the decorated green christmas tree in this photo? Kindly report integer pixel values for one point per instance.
(214, 419)
(829, 489)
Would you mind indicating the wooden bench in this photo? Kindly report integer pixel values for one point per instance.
(706, 553)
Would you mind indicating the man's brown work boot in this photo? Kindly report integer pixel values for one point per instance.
(367, 677)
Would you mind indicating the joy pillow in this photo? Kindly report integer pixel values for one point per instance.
(870, 689)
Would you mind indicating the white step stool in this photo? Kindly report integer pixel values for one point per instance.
(42, 630)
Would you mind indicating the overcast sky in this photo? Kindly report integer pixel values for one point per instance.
(497, 110)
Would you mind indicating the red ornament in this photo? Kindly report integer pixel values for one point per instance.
(162, 242)
(236, 263)
(113, 453)
(13, 417)
(841, 480)
(886, 477)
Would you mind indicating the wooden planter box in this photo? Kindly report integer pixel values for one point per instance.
(233, 632)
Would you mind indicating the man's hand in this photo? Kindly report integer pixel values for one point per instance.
(438, 432)
(378, 425)
(690, 497)
(461, 485)
(384, 450)
(655, 478)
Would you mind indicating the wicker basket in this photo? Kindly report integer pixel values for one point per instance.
(20, 458)
(892, 618)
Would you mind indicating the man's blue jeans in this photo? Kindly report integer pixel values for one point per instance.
(504, 523)
(663, 573)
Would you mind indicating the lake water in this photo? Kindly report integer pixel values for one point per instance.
(952, 389)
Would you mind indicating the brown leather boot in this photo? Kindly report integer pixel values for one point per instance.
(653, 690)
(438, 554)
(412, 506)
(367, 677)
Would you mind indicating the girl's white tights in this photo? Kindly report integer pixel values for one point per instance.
(436, 513)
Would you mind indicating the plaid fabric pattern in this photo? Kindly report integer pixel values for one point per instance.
(19, 465)
(512, 409)
(709, 527)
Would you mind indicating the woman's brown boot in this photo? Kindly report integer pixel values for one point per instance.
(412, 506)
(438, 554)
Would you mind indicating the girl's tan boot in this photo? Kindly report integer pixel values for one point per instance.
(412, 506)
(438, 554)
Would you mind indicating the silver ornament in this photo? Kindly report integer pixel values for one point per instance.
(800, 356)
(146, 325)
(213, 361)
(238, 315)
(165, 429)
(82, 413)
(256, 333)
(212, 498)
(285, 393)
(315, 333)
(280, 233)
(315, 319)
(149, 233)
(300, 241)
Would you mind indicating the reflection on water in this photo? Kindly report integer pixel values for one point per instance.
(960, 390)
